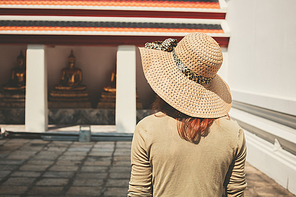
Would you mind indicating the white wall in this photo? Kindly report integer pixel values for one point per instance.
(262, 53)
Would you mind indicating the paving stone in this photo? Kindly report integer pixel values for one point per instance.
(118, 183)
(4, 173)
(123, 153)
(83, 144)
(46, 190)
(8, 167)
(9, 161)
(88, 182)
(32, 167)
(56, 149)
(79, 149)
(97, 163)
(12, 189)
(72, 158)
(116, 192)
(75, 154)
(91, 175)
(4, 154)
(116, 175)
(121, 163)
(99, 158)
(122, 169)
(39, 142)
(52, 182)
(101, 153)
(25, 174)
(68, 162)
(32, 148)
(122, 158)
(24, 157)
(84, 191)
(19, 181)
(40, 162)
(45, 157)
(59, 174)
(94, 169)
(63, 168)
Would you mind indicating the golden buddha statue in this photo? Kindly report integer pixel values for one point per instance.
(71, 76)
(108, 96)
(18, 75)
(70, 93)
(112, 84)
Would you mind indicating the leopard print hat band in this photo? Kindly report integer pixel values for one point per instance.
(168, 45)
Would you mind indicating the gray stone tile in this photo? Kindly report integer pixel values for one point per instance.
(72, 158)
(99, 158)
(55, 149)
(40, 162)
(68, 162)
(79, 149)
(34, 168)
(118, 183)
(11, 161)
(75, 154)
(12, 189)
(125, 169)
(63, 168)
(94, 168)
(59, 174)
(45, 191)
(84, 191)
(119, 192)
(121, 163)
(14, 156)
(20, 181)
(99, 153)
(52, 182)
(4, 173)
(25, 174)
(97, 163)
(117, 175)
(91, 175)
(88, 182)
(8, 167)
(122, 158)
(45, 157)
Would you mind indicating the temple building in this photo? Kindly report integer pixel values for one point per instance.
(81, 65)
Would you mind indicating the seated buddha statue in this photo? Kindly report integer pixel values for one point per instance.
(71, 77)
(112, 84)
(18, 75)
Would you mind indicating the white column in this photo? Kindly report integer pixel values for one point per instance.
(126, 89)
(36, 118)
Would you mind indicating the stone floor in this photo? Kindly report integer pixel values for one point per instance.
(65, 168)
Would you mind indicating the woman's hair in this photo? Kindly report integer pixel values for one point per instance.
(189, 128)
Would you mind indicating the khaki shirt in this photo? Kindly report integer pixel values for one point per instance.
(165, 165)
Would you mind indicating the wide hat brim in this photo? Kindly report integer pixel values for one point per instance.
(191, 98)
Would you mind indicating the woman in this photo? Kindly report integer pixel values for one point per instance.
(190, 147)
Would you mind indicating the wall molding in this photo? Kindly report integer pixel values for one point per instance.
(280, 104)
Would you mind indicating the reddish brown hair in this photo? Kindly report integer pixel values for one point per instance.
(189, 128)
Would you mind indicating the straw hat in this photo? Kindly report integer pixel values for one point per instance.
(184, 75)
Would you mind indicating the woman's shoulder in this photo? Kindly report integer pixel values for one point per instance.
(152, 119)
(228, 126)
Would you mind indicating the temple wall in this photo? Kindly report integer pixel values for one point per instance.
(261, 73)
(262, 50)
(96, 62)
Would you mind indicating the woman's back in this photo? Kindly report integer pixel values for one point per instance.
(164, 164)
